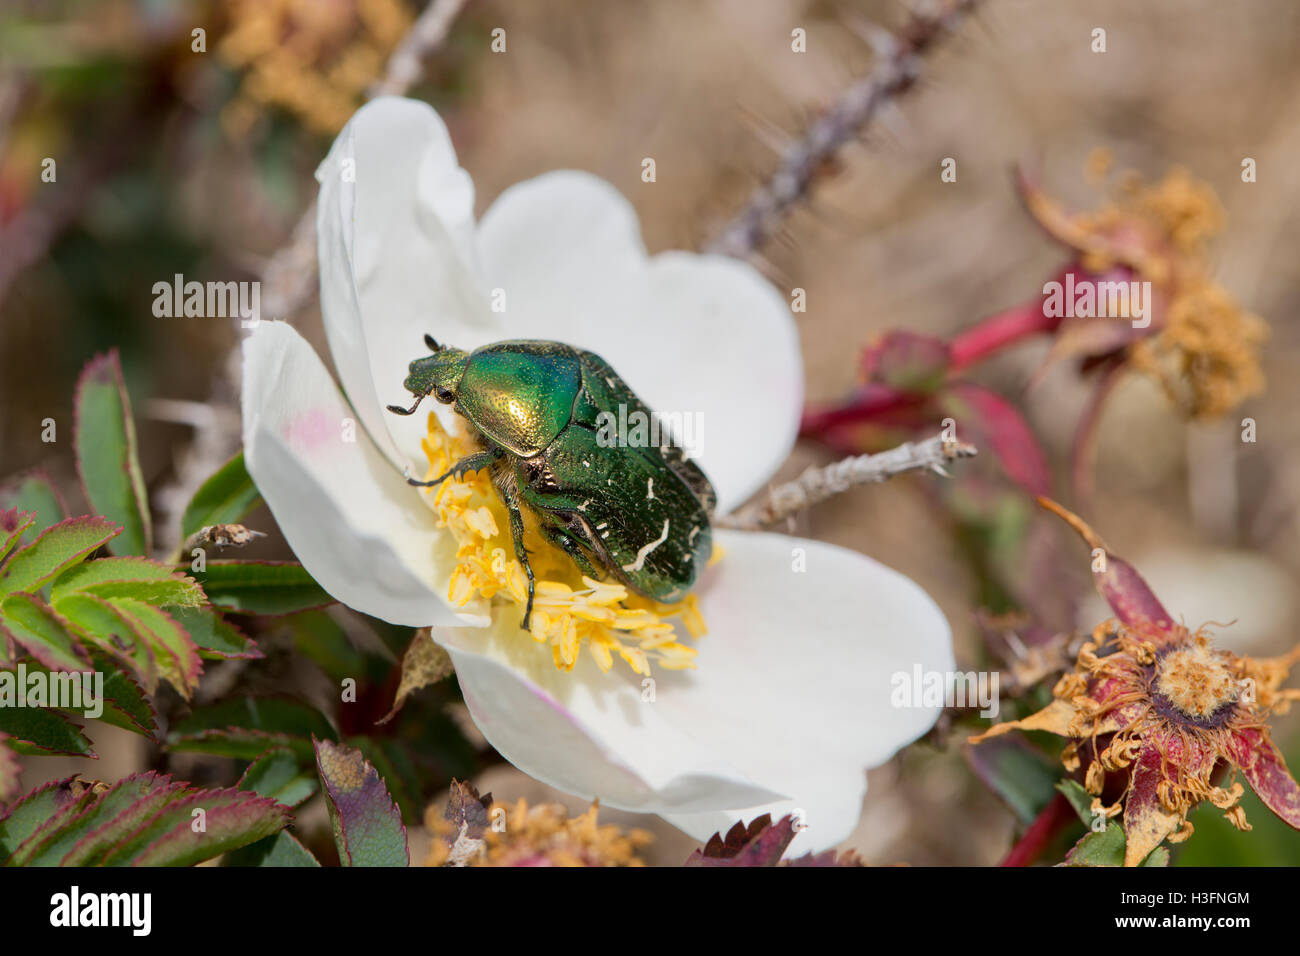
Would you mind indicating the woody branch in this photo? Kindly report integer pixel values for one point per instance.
(820, 482)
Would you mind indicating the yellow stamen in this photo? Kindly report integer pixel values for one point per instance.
(569, 609)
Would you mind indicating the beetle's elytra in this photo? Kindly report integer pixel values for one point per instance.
(640, 513)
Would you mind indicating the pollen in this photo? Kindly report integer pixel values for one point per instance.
(1197, 680)
(571, 612)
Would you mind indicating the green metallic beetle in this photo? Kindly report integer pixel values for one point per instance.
(543, 412)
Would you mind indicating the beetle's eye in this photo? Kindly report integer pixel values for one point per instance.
(444, 395)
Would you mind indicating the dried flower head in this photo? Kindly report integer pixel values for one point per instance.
(523, 835)
(1152, 700)
(313, 58)
(1202, 347)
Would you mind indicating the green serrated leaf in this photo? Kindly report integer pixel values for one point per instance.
(1016, 772)
(21, 820)
(278, 774)
(368, 827)
(321, 638)
(215, 637)
(238, 742)
(106, 453)
(158, 792)
(55, 550)
(34, 730)
(1079, 798)
(269, 714)
(226, 497)
(1157, 857)
(280, 850)
(173, 652)
(34, 492)
(56, 843)
(126, 705)
(13, 525)
(254, 587)
(150, 581)
(231, 819)
(82, 797)
(34, 624)
(103, 626)
(1099, 849)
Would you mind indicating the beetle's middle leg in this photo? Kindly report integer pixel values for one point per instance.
(475, 462)
(510, 495)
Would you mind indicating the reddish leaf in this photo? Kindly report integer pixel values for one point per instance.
(467, 812)
(1146, 821)
(367, 824)
(1267, 774)
(157, 792)
(1128, 594)
(12, 525)
(907, 361)
(762, 843)
(231, 819)
(989, 421)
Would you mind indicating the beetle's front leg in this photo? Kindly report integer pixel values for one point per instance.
(511, 498)
(475, 462)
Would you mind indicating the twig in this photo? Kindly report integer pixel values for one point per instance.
(289, 278)
(427, 33)
(856, 107)
(820, 482)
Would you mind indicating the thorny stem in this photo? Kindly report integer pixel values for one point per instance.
(824, 481)
(846, 118)
(1051, 820)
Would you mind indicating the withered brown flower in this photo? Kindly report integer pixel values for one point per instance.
(1154, 700)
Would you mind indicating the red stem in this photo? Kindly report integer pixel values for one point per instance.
(868, 404)
(1050, 821)
(997, 332)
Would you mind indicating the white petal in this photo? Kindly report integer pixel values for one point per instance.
(395, 230)
(706, 336)
(812, 666)
(583, 731)
(356, 526)
(792, 695)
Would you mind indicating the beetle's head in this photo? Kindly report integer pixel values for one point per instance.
(437, 374)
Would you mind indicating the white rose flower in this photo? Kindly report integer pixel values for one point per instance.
(785, 703)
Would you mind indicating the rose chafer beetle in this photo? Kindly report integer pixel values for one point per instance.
(543, 412)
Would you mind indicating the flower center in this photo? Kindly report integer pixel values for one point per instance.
(569, 609)
(1196, 680)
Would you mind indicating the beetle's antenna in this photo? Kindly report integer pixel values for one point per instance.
(430, 341)
(399, 410)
